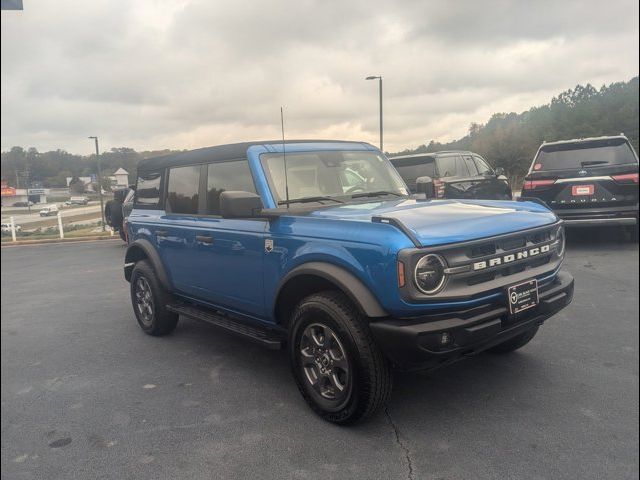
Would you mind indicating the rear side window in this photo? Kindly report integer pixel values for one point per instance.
(452, 166)
(148, 189)
(182, 189)
(227, 176)
(471, 166)
(580, 155)
(413, 168)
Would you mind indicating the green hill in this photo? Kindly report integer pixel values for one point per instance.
(510, 140)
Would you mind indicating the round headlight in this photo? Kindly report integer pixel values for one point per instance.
(429, 274)
(561, 239)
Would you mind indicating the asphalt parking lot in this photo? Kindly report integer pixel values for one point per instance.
(86, 394)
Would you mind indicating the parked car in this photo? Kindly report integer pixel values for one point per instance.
(455, 174)
(587, 182)
(353, 275)
(23, 204)
(77, 201)
(6, 227)
(117, 210)
(49, 210)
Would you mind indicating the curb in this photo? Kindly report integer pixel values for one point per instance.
(59, 240)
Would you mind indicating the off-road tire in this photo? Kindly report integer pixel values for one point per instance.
(370, 374)
(514, 343)
(161, 321)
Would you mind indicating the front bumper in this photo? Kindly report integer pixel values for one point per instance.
(415, 343)
(591, 217)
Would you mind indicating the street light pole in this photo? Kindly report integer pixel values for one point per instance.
(379, 78)
(99, 183)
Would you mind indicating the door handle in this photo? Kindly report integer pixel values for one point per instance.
(161, 233)
(204, 239)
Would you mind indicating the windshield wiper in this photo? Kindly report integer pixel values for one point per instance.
(593, 162)
(308, 200)
(376, 194)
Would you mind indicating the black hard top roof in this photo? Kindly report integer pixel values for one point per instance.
(430, 154)
(217, 153)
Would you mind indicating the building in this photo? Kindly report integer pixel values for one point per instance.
(121, 177)
(11, 195)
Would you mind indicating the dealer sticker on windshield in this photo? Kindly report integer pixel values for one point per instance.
(522, 296)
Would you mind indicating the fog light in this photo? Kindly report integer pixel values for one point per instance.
(445, 338)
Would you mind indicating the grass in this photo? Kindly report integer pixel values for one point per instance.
(53, 235)
(53, 221)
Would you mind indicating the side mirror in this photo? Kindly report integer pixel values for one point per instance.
(499, 171)
(425, 185)
(237, 204)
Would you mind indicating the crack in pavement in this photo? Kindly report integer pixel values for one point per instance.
(401, 443)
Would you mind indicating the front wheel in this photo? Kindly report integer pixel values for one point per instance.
(150, 300)
(340, 371)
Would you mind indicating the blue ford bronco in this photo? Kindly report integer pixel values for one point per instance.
(318, 246)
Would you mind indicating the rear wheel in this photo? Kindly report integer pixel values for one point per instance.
(340, 371)
(150, 301)
(515, 343)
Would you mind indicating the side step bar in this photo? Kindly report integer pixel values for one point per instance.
(269, 338)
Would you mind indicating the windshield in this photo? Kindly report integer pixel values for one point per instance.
(571, 156)
(331, 174)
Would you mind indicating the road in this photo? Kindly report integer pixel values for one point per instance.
(23, 219)
(85, 394)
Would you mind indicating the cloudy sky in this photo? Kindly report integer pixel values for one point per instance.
(152, 74)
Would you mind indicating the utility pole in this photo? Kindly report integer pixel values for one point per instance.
(99, 183)
(379, 78)
(26, 175)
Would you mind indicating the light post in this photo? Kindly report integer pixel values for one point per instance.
(379, 78)
(99, 183)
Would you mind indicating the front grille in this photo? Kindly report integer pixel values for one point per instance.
(465, 257)
(507, 245)
(478, 267)
(482, 250)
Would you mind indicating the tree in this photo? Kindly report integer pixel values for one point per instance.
(76, 185)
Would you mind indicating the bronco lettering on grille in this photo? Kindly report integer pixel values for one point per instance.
(512, 257)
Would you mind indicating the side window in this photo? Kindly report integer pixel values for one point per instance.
(182, 189)
(483, 167)
(227, 176)
(148, 189)
(471, 166)
(452, 166)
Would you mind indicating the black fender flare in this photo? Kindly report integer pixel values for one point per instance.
(143, 248)
(353, 287)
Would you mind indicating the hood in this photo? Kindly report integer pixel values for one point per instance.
(438, 222)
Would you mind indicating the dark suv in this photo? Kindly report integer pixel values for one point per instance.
(319, 246)
(455, 174)
(117, 211)
(587, 182)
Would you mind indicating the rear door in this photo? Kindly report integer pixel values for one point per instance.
(596, 174)
(176, 234)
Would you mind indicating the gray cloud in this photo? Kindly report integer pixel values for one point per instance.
(184, 74)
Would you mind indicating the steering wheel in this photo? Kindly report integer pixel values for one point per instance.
(356, 189)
